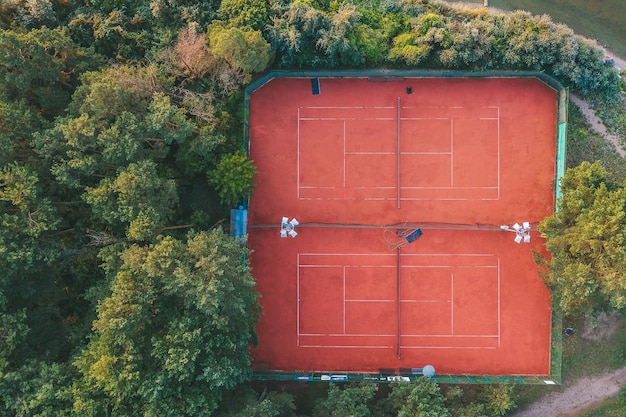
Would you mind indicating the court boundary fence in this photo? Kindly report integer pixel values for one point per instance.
(556, 345)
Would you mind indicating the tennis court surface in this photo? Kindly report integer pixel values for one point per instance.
(361, 163)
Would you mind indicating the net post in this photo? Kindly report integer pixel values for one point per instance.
(398, 286)
(398, 151)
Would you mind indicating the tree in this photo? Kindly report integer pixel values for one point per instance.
(117, 116)
(37, 389)
(243, 401)
(18, 123)
(334, 41)
(586, 238)
(138, 200)
(243, 49)
(240, 13)
(407, 47)
(41, 66)
(421, 398)
(352, 401)
(233, 178)
(174, 333)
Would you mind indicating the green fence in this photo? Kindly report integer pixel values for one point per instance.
(388, 378)
(556, 349)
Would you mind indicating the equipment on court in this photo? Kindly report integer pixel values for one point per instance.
(405, 236)
(522, 233)
(287, 227)
(315, 86)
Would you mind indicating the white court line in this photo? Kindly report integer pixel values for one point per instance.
(498, 152)
(326, 187)
(393, 199)
(344, 300)
(451, 152)
(341, 334)
(344, 154)
(398, 159)
(346, 347)
(343, 265)
(349, 107)
(298, 159)
(452, 303)
(403, 266)
(371, 153)
(449, 347)
(433, 107)
(370, 301)
(455, 336)
(450, 188)
(346, 118)
(425, 153)
(352, 188)
(321, 266)
(499, 330)
(425, 118)
(449, 266)
(298, 298)
(452, 335)
(402, 254)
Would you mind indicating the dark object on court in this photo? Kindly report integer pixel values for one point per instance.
(315, 86)
(569, 331)
(409, 90)
(414, 235)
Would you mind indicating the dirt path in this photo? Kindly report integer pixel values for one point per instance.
(577, 397)
(597, 124)
(590, 115)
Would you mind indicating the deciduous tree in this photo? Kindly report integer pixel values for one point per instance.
(175, 331)
(351, 401)
(233, 178)
(138, 201)
(586, 238)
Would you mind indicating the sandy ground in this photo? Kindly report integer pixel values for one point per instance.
(577, 397)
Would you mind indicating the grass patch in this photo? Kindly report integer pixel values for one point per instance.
(586, 356)
(602, 20)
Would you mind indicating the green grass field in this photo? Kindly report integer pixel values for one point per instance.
(603, 20)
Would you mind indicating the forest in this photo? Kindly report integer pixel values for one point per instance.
(121, 153)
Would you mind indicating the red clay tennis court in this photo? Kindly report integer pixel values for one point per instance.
(366, 162)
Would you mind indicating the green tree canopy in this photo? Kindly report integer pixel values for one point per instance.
(351, 401)
(245, 402)
(174, 332)
(233, 178)
(421, 398)
(41, 66)
(586, 238)
(138, 201)
(244, 49)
